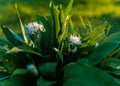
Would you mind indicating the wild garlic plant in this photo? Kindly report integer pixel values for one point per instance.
(34, 28)
(49, 54)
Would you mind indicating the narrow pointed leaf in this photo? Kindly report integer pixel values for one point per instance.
(83, 23)
(56, 14)
(69, 7)
(22, 27)
(64, 29)
(12, 36)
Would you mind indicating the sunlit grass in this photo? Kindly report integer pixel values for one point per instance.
(97, 11)
(29, 10)
(89, 10)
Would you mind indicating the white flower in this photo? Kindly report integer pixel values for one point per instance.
(32, 69)
(34, 27)
(97, 44)
(75, 40)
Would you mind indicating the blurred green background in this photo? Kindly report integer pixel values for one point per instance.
(91, 9)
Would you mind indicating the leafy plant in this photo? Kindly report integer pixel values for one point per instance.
(48, 53)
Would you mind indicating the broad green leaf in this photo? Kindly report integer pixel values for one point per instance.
(115, 72)
(83, 61)
(112, 37)
(117, 80)
(27, 49)
(4, 76)
(24, 49)
(12, 36)
(14, 61)
(52, 23)
(42, 82)
(48, 70)
(69, 7)
(19, 72)
(2, 50)
(77, 75)
(116, 53)
(4, 42)
(102, 51)
(113, 63)
(24, 79)
(4, 46)
(18, 81)
(22, 27)
(45, 23)
(46, 36)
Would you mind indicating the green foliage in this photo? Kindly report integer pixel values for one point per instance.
(22, 27)
(43, 82)
(12, 37)
(48, 53)
(111, 65)
(94, 35)
(20, 77)
(47, 34)
(11, 62)
(103, 51)
(48, 70)
(75, 75)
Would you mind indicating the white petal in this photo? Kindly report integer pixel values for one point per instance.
(34, 27)
(75, 40)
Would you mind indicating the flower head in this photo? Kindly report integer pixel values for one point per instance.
(75, 40)
(34, 27)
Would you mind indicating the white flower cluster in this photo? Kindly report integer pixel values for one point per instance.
(34, 27)
(75, 40)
